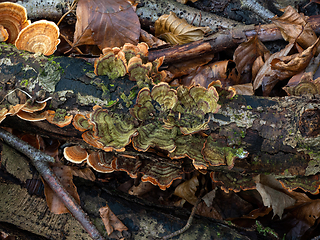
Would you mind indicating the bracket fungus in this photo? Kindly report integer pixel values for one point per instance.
(75, 154)
(13, 19)
(3, 34)
(59, 118)
(40, 37)
(101, 161)
(112, 63)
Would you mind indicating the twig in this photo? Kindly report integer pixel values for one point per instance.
(73, 5)
(41, 162)
(255, 7)
(187, 226)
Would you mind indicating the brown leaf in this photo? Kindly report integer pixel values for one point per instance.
(245, 55)
(265, 74)
(110, 221)
(108, 23)
(301, 84)
(294, 27)
(205, 211)
(204, 75)
(288, 66)
(273, 194)
(187, 190)
(141, 189)
(244, 89)
(64, 174)
(178, 31)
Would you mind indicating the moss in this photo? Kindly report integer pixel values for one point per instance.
(24, 83)
(265, 230)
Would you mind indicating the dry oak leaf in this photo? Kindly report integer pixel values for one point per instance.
(64, 175)
(178, 31)
(273, 194)
(294, 27)
(245, 56)
(187, 190)
(107, 23)
(110, 221)
(266, 74)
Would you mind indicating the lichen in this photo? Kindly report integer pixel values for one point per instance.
(49, 77)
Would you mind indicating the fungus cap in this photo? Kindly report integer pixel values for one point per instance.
(3, 34)
(32, 117)
(13, 19)
(60, 121)
(39, 37)
(101, 161)
(75, 154)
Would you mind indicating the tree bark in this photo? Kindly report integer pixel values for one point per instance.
(281, 135)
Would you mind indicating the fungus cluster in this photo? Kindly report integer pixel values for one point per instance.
(162, 118)
(39, 37)
(117, 62)
(156, 172)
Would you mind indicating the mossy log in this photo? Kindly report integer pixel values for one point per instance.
(278, 136)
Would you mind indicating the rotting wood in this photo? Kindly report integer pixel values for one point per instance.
(280, 134)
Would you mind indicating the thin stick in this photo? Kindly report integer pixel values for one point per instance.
(73, 5)
(187, 226)
(41, 161)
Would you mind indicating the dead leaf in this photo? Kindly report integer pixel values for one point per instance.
(301, 84)
(85, 173)
(244, 89)
(187, 190)
(110, 221)
(273, 194)
(178, 31)
(245, 55)
(265, 73)
(294, 27)
(205, 211)
(64, 175)
(108, 23)
(208, 73)
(141, 189)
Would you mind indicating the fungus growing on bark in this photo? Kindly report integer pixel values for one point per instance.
(13, 19)
(139, 72)
(3, 114)
(111, 131)
(233, 181)
(129, 164)
(3, 34)
(33, 117)
(112, 63)
(143, 108)
(39, 37)
(183, 149)
(59, 118)
(33, 106)
(75, 154)
(161, 174)
(101, 161)
(81, 123)
(155, 135)
(216, 152)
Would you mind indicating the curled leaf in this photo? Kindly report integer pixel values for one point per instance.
(178, 31)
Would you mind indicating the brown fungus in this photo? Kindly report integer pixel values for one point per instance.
(39, 37)
(101, 161)
(161, 174)
(58, 118)
(13, 19)
(33, 117)
(75, 154)
(3, 34)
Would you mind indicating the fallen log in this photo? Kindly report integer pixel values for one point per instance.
(280, 135)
